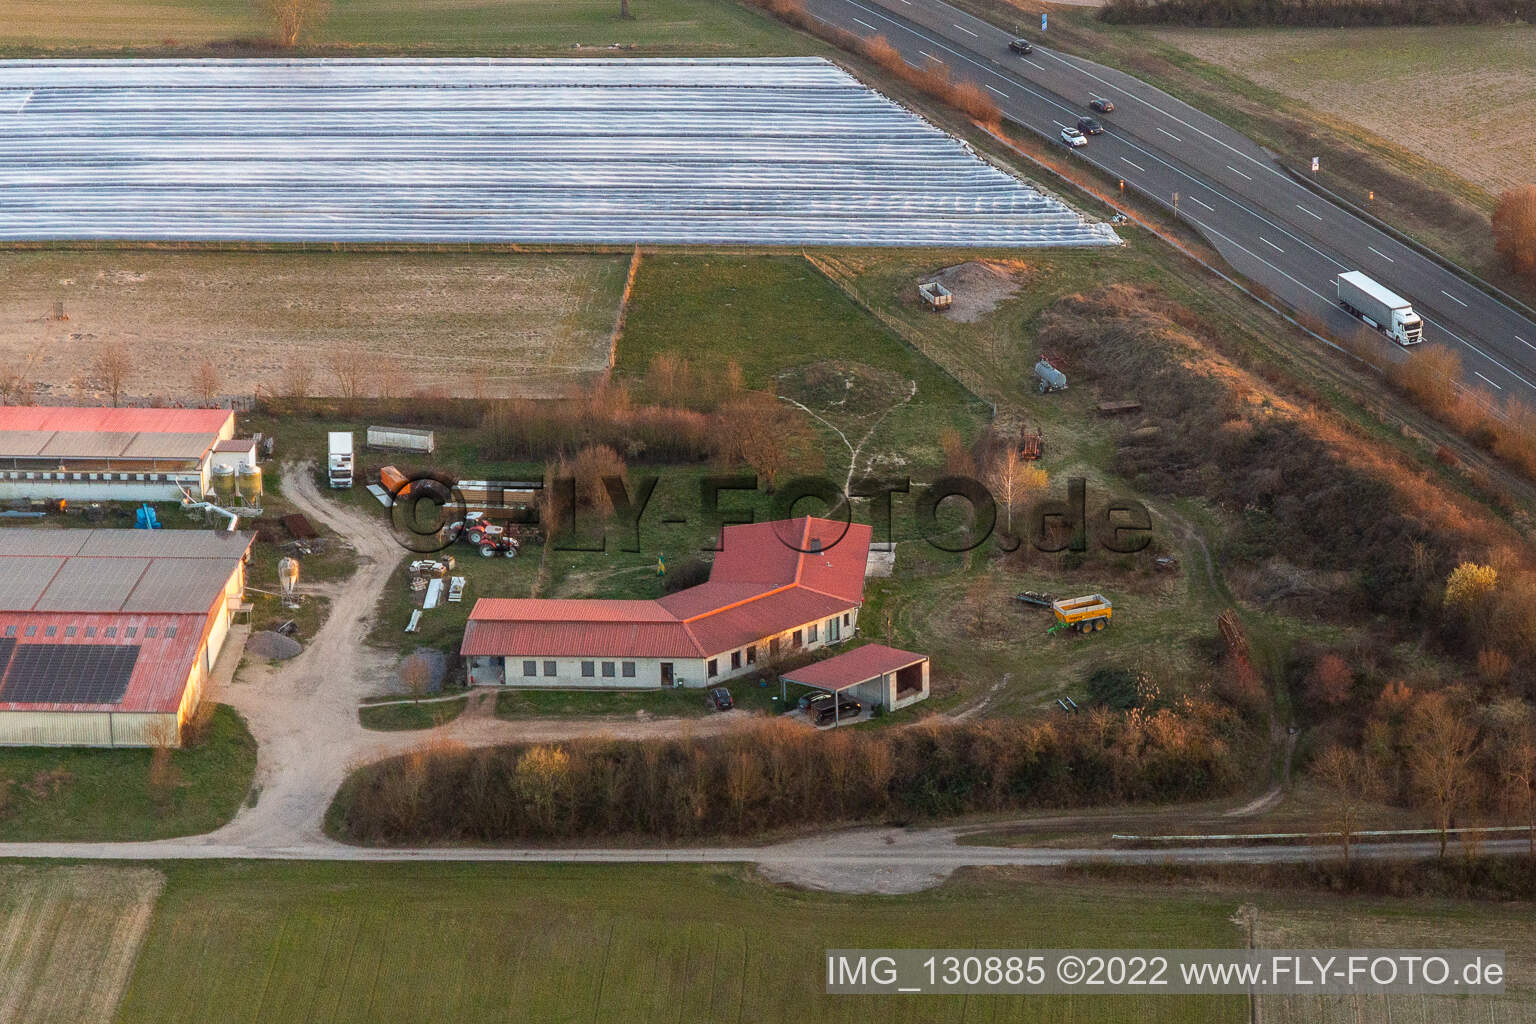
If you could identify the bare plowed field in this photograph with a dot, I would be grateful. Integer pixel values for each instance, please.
(69, 937)
(467, 326)
(1459, 96)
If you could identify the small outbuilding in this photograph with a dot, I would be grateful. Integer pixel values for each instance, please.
(875, 675)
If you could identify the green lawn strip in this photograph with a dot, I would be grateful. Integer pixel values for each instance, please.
(81, 794)
(410, 715)
(473, 943)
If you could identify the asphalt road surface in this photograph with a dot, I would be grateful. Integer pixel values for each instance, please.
(1269, 227)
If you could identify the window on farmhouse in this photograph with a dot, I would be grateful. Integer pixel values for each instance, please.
(589, 669)
(170, 632)
(797, 638)
(714, 667)
(607, 670)
(735, 659)
(773, 647)
(845, 618)
(51, 631)
(752, 655)
(69, 630)
(811, 634)
(530, 668)
(629, 670)
(549, 668)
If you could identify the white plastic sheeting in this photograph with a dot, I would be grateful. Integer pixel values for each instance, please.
(777, 152)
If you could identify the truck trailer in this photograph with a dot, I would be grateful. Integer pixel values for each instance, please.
(338, 462)
(1379, 306)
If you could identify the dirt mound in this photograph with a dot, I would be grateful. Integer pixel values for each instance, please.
(979, 286)
(273, 646)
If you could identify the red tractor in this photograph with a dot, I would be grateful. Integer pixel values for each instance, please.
(490, 538)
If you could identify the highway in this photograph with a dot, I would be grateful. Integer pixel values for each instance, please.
(1271, 229)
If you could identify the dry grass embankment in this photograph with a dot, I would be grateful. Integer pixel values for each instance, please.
(933, 77)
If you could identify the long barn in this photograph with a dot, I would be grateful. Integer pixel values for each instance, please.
(107, 637)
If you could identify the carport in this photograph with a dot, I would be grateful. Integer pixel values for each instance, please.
(875, 675)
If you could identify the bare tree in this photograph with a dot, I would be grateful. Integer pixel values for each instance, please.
(111, 366)
(1517, 767)
(353, 371)
(298, 379)
(1442, 748)
(292, 18)
(205, 382)
(1014, 481)
(415, 676)
(1352, 784)
(1514, 230)
(16, 381)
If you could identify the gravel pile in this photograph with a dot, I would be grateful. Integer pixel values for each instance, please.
(273, 646)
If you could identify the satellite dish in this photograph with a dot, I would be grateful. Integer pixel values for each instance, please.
(288, 574)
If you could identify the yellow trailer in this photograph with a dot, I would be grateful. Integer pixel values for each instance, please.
(1082, 614)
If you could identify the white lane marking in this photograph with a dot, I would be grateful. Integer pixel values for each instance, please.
(1032, 64)
(872, 12)
(1237, 172)
(1058, 122)
(1524, 342)
(1499, 386)
(1208, 206)
(1306, 211)
(1001, 93)
(1272, 245)
(1383, 255)
(1452, 298)
(866, 24)
(967, 31)
(1140, 168)
(930, 56)
(1170, 134)
(1473, 348)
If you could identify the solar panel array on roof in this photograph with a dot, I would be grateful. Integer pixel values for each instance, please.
(68, 674)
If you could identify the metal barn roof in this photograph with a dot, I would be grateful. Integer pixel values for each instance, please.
(780, 151)
(67, 432)
(101, 571)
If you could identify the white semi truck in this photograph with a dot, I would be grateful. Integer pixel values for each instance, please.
(339, 460)
(1379, 306)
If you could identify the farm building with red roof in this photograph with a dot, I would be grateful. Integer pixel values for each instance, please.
(94, 454)
(774, 587)
(107, 637)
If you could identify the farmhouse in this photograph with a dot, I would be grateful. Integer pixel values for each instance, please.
(93, 454)
(796, 584)
(108, 636)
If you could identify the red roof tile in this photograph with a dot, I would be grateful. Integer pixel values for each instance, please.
(767, 578)
(855, 666)
(99, 420)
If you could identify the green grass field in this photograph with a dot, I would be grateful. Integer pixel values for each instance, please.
(409, 716)
(105, 795)
(426, 26)
(254, 942)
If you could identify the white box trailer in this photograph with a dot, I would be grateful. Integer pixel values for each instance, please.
(338, 462)
(402, 439)
(1380, 307)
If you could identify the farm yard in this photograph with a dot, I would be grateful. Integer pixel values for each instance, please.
(457, 324)
(1471, 86)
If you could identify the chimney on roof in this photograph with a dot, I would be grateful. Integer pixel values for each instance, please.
(815, 545)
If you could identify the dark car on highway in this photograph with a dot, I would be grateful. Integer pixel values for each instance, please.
(1088, 126)
(1021, 46)
(1101, 105)
(846, 708)
(720, 697)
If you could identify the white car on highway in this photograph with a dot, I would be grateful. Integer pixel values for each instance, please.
(1073, 137)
